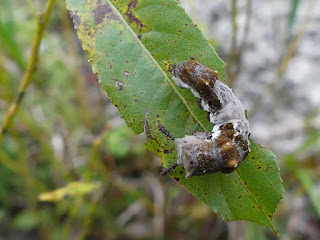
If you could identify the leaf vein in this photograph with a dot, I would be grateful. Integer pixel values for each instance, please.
(155, 62)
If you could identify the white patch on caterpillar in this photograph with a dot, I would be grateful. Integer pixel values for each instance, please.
(179, 83)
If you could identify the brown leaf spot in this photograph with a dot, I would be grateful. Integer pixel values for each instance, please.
(113, 17)
(119, 84)
(131, 16)
(100, 12)
(132, 4)
(133, 19)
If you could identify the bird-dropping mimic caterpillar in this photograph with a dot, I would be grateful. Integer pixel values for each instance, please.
(228, 144)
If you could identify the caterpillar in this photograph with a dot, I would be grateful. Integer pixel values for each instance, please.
(227, 145)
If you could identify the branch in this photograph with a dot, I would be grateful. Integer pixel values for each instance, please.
(42, 23)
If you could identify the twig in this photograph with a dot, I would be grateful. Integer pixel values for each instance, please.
(87, 176)
(233, 50)
(95, 152)
(234, 62)
(42, 23)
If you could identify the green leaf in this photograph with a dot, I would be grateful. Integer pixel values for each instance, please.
(130, 45)
(252, 192)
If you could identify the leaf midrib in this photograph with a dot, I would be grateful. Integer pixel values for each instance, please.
(156, 63)
(260, 206)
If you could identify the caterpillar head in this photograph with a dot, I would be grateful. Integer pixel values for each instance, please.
(204, 153)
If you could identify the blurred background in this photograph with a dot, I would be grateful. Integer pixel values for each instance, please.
(71, 169)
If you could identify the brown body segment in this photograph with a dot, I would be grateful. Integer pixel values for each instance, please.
(201, 78)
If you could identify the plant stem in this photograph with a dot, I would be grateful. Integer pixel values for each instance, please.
(233, 50)
(234, 62)
(42, 23)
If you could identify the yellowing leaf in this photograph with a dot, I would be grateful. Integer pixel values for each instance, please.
(73, 189)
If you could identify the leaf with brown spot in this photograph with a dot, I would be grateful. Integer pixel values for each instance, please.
(135, 42)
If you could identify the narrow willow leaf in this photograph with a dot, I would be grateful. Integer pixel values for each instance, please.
(130, 45)
(74, 189)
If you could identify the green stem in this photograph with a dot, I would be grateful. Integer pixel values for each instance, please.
(42, 23)
(306, 181)
(233, 51)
